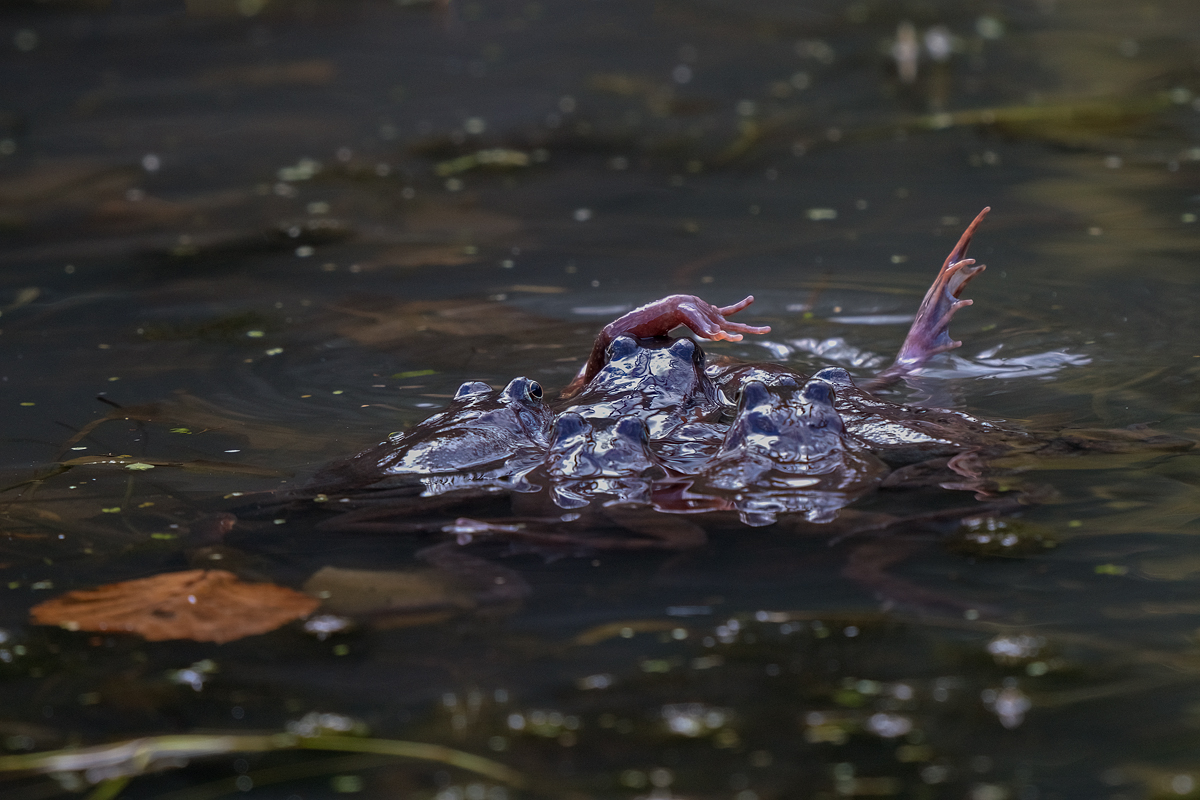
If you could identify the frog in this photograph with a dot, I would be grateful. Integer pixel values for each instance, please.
(649, 420)
(787, 450)
(484, 436)
(656, 402)
(600, 458)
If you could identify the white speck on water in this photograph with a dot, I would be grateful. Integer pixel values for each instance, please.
(151, 162)
(939, 43)
(889, 726)
(582, 214)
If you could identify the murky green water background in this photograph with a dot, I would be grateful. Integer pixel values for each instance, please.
(273, 231)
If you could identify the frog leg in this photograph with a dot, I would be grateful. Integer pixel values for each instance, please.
(929, 334)
(660, 318)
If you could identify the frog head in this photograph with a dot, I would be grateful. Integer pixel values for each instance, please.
(599, 457)
(661, 384)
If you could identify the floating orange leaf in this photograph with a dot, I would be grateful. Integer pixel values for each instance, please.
(202, 605)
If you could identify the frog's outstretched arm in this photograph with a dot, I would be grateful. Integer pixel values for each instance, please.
(929, 334)
(660, 318)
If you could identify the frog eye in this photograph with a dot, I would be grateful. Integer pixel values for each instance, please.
(835, 375)
(687, 350)
(522, 390)
(632, 428)
(567, 426)
(621, 347)
(754, 394)
(816, 391)
(471, 388)
(684, 348)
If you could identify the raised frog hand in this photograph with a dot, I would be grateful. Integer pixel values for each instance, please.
(660, 318)
(929, 334)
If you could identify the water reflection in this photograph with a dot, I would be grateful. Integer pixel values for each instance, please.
(274, 231)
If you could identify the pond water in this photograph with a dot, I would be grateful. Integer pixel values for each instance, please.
(270, 232)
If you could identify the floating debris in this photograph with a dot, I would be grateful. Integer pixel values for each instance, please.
(316, 723)
(202, 605)
(494, 158)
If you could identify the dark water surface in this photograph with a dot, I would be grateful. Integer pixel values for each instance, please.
(273, 231)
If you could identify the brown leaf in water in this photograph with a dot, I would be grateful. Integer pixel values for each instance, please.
(63, 183)
(311, 72)
(202, 605)
(361, 591)
(125, 213)
(459, 224)
(1136, 438)
(422, 256)
(378, 325)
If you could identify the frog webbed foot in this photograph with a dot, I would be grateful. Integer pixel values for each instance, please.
(711, 322)
(929, 334)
